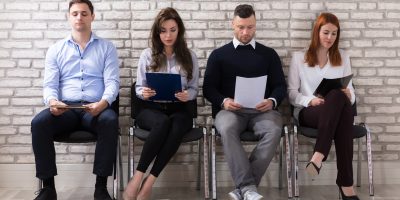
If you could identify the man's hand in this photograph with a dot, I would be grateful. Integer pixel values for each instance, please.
(229, 104)
(57, 111)
(96, 108)
(316, 101)
(182, 96)
(147, 93)
(265, 105)
(347, 92)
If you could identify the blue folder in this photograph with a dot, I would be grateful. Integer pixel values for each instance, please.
(165, 85)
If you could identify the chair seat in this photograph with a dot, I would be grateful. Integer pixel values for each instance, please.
(77, 137)
(359, 131)
(249, 136)
(193, 135)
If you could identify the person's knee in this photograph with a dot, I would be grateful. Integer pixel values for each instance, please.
(40, 120)
(225, 123)
(337, 94)
(108, 118)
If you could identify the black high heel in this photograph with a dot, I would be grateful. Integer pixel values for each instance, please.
(344, 197)
(312, 168)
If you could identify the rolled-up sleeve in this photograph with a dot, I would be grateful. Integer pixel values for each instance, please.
(144, 61)
(193, 84)
(51, 76)
(111, 75)
(296, 98)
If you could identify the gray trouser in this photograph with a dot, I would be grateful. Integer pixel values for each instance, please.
(267, 126)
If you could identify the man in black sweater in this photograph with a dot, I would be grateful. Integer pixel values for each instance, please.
(244, 57)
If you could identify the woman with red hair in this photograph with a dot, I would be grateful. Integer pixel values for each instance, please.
(332, 114)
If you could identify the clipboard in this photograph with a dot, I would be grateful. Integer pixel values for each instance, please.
(165, 85)
(327, 85)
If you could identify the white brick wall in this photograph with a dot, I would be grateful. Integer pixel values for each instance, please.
(370, 34)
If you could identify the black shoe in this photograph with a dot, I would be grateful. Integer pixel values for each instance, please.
(312, 168)
(344, 197)
(46, 193)
(101, 194)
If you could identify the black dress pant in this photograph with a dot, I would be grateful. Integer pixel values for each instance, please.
(45, 127)
(167, 123)
(334, 121)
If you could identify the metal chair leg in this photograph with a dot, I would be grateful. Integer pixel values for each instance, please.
(198, 165)
(359, 163)
(280, 185)
(213, 167)
(121, 170)
(130, 153)
(116, 172)
(369, 158)
(206, 164)
(289, 170)
(295, 161)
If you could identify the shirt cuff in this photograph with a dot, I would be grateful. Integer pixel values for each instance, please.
(222, 104)
(47, 100)
(274, 101)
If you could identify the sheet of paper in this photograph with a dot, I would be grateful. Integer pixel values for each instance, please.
(250, 91)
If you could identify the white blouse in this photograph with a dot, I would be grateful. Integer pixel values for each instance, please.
(303, 79)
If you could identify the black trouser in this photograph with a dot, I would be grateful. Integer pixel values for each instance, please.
(334, 121)
(168, 123)
(45, 127)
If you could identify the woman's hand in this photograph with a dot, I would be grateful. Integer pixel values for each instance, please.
(347, 93)
(182, 96)
(147, 93)
(316, 102)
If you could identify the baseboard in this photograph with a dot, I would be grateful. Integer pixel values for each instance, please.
(184, 175)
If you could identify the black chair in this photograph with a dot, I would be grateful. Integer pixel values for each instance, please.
(248, 136)
(195, 134)
(81, 136)
(360, 130)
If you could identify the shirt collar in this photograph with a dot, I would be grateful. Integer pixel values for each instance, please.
(236, 43)
(92, 38)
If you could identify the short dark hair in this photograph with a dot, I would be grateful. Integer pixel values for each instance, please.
(88, 2)
(244, 11)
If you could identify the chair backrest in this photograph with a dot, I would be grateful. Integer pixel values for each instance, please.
(137, 104)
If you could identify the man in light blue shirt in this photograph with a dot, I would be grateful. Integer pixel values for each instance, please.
(80, 69)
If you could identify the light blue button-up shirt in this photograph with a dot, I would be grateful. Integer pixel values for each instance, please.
(73, 74)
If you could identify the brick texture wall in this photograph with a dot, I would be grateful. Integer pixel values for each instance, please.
(370, 33)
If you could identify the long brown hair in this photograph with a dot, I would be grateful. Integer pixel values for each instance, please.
(182, 53)
(334, 55)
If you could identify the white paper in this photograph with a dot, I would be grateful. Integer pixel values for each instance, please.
(250, 91)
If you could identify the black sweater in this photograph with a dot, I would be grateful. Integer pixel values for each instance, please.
(226, 62)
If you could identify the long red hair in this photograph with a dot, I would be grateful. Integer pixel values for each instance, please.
(334, 55)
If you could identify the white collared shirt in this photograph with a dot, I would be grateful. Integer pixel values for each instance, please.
(236, 43)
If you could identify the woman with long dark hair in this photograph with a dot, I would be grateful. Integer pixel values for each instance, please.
(167, 121)
(332, 114)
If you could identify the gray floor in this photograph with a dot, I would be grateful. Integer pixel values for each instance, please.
(382, 192)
